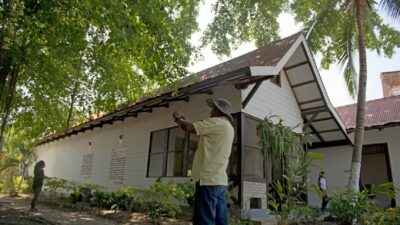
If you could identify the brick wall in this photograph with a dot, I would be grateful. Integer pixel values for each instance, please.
(254, 190)
(390, 83)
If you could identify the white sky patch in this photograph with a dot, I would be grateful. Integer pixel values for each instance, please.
(332, 78)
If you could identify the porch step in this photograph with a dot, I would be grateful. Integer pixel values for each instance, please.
(259, 216)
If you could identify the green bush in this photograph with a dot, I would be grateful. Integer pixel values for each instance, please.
(188, 190)
(56, 187)
(390, 216)
(101, 199)
(348, 207)
(163, 198)
(83, 192)
(125, 199)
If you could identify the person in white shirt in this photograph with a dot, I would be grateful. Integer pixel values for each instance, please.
(322, 187)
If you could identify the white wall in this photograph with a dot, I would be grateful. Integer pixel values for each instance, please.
(64, 157)
(336, 163)
(271, 99)
(337, 160)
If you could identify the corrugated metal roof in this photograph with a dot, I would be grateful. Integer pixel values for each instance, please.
(378, 112)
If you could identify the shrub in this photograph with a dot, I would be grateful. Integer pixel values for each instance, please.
(188, 190)
(348, 207)
(390, 216)
(125, 199)
(163, 198)
(55, 187)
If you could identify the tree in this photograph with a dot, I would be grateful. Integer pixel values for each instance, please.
(86, 56)
(337, 29)
(392, 7)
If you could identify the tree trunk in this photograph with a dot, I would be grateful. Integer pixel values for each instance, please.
(359, 132)
(22, 177)
(7, 107)
(71, 106)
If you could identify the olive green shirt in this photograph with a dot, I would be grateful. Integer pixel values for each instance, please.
(212, 155)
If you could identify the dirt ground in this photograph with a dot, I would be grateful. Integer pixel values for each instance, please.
(16, 211)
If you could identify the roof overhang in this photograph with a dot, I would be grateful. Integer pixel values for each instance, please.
(319, 116)
(239, 78)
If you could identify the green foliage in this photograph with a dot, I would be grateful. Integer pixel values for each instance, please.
(17, 157)
(87, 57)
(55, 188)
(279, 140)
(236, 22)
(126, 198)
(188, 190)
(163, 198)
(286, 199)
(349, 206)
(285, 146)
(390, 216)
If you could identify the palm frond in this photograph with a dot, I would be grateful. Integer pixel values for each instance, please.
(370, 30)
(346, 59)
(392, 7)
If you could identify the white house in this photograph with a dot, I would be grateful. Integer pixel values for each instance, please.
(381, 148)
(139, 143)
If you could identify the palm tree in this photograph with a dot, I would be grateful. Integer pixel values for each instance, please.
(392, 7)
(357, 31)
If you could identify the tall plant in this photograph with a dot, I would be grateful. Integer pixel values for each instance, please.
(283, 143)
(279, 141)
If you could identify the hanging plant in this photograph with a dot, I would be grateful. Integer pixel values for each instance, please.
(278, 140)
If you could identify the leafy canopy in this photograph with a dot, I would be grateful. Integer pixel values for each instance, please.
(104, 53)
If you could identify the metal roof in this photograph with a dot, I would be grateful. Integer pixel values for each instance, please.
(379, 113)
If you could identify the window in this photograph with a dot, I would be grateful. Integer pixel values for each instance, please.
(172, 152)
(253, 161)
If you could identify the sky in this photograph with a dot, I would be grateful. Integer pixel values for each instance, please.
(332, 78)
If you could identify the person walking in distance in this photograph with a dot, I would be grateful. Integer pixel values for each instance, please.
(210, 161)
(322, 187)
(38, 178)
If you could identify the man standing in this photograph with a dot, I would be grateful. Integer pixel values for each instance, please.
(37, 184)
(210, 161)
(322, 187)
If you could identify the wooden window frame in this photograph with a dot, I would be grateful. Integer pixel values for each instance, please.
(166, 151)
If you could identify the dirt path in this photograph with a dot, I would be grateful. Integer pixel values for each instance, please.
(16, 211)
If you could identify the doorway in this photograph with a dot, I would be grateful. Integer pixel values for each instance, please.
(375, 169)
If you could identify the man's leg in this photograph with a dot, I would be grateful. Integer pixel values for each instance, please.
(324, 202)
(221, 210)
(36, 193)
(204, 205)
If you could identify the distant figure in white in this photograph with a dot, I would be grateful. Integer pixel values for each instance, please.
(322, 187)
